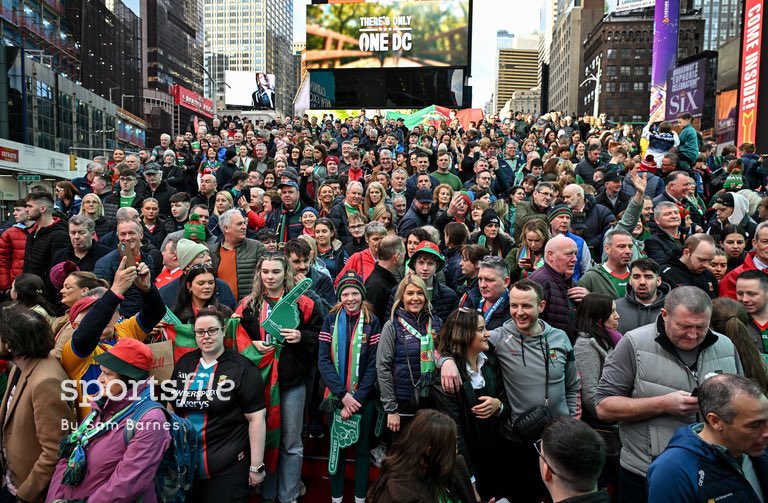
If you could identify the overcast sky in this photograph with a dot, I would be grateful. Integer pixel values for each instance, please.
(520, 17)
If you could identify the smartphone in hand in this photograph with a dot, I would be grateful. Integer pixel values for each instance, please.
(125, 251)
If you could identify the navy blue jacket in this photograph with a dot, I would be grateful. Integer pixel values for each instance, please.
(444, 300)
(691, 470)
(367, 367)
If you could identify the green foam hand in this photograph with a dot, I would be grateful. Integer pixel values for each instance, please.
(481, 240)
(285, 314)
(344, 433)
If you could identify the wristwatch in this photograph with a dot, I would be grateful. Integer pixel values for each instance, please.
(258, 469)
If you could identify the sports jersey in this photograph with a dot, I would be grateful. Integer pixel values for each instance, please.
(219, 418)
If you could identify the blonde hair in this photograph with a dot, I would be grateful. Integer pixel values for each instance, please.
(368, 204)
(99, 213)
(410, 279)
(436, 193)
(228, 195)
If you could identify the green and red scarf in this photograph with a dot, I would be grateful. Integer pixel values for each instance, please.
(350, 368)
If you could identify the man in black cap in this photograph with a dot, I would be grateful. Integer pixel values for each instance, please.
(612, 196)
(158, 188)
(418, 214)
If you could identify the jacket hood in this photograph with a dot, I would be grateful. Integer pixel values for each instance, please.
(688, 438)
(663, 290)
(740, 209)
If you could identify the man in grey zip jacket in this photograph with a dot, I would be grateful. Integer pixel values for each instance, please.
(644, 298)
(649, 380)
(525, 346)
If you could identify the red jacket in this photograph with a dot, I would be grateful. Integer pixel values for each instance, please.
(13, 242)
(727, 287)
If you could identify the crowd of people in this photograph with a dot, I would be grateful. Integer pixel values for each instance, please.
(538, 309)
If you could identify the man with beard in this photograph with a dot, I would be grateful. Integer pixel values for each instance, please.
(690, 266)
(611, 276)
(645, 296)
(418, 214)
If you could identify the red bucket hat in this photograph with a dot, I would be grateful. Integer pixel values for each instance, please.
(129, 357)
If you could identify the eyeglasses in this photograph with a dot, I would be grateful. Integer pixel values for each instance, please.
(356, 227)
(211, 332)
(537, 446)
(201, 266)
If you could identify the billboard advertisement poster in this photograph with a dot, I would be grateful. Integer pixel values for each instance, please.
(750, 70)
(391, 35)
(250, 90)
(322, 90)
(685, 89)
(191, 100)
(625, 5)
(666, 21)
(727, 113)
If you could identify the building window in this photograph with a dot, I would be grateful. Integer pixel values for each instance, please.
(639, 71)
(625, 70)
(626, 53)
(610, 87)
(610, 71)
(638, 86)
(640, 53)
(623, 87)
(610, 53)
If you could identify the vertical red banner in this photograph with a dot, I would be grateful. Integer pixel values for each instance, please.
(749, 78)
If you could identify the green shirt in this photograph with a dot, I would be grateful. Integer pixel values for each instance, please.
(619, 282)
(448, 178)
(351, 210)
(126, 201)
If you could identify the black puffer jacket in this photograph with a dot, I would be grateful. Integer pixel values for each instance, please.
(660, 246)
(42, 244)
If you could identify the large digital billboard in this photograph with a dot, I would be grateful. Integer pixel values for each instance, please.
(686, 88)
(392, 35)
(249, 90)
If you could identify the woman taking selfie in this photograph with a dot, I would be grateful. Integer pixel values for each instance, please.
(111, 468)
(230, 424)
(347, 364)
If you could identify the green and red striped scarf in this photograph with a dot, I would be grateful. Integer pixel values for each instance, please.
(351, 368)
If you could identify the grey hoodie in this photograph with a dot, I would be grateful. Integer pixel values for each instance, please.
(522, 360)
(633, 314)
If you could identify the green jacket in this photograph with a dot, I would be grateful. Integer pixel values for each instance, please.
(598, 279)
(689, 144)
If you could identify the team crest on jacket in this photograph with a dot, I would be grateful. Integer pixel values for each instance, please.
(552, 354)
(425, 356)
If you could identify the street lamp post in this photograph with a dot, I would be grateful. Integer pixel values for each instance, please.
(596, 78)
(122, 99)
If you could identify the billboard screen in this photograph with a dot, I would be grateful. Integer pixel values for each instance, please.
(249, 90)
(625, 5)
(685, 89)
(393, 35)
(191, 100)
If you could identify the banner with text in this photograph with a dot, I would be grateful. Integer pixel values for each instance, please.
(665, 28)
(191, 100)
(749, 80)
(685, 89)
(393, 35)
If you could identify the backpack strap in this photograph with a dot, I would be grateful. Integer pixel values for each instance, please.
(136, 416)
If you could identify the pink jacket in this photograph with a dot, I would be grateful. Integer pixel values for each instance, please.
(118, 472)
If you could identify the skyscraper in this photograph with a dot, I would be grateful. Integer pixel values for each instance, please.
(254, 36)
(173, 43)
(516, 67)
